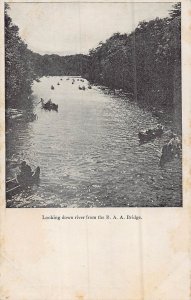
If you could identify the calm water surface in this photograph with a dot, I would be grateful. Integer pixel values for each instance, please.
(89, 152)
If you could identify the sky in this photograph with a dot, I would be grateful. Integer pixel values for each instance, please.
(71, 28)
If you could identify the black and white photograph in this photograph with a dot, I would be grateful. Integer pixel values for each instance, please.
(93, 104)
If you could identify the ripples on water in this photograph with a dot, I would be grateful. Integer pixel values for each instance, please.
(89, 152)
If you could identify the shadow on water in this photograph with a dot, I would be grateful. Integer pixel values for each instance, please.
(89, 152)
(18, 132)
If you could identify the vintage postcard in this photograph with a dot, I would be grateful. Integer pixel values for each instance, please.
(95, 156)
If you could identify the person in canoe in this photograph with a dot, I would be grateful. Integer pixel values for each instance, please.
(25, 175)
(171, 150)
(24, 179)
(149, 134)
(49, 102)
(49, 105)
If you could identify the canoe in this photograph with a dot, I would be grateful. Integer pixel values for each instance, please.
(148, 135)
(13, 186)
(170, 150)
(51, 106)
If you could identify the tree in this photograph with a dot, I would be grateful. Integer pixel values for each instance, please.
(19, 70)
(176, 11)
(144, 62)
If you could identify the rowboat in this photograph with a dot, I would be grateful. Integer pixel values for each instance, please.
(171, 150)
(14, 186)
(150, 134)
(49, 105)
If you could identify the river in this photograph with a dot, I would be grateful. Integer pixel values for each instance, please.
(88, 152)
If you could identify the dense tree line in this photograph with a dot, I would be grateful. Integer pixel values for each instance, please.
(19, 72)
(22, 66)
(55, 65)
(146, 62)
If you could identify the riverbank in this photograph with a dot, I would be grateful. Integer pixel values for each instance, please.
(163, 114)
(89, 152)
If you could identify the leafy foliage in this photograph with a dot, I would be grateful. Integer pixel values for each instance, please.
(147, 63)
(143, 62)
(176, 11)
(18, 62)
(23, 66)
(55, 65)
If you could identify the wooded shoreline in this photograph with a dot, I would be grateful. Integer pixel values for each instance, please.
(145, 63)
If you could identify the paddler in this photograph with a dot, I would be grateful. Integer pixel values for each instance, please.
(25, 175)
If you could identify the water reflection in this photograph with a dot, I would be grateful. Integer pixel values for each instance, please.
(89, 152)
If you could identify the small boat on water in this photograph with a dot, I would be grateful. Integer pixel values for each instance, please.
(49, 105)
(15, 186)
(171, 150)
(82, 88)
(150, 134)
